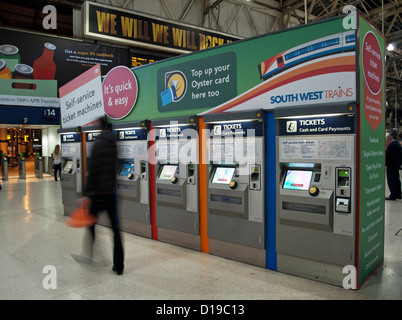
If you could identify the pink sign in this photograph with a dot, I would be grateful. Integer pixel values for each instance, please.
(373, 71)
(120, 91)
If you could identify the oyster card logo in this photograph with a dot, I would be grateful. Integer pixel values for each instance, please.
(175, 87)
(120, 91)
(373, 71)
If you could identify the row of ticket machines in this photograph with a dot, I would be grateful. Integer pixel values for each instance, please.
(278, 190)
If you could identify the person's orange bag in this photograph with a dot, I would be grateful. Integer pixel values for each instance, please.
(81, 218)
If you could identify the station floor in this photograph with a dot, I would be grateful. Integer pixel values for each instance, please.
(33, 235)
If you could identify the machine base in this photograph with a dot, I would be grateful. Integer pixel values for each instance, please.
(315, 270)
(137, 228)
(182, 239)
(238, 252)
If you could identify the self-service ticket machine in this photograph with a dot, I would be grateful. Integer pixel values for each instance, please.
(316, 195)
(89, 135)
(236, 186)
(71, 179)
(132, 178)
(177, 183)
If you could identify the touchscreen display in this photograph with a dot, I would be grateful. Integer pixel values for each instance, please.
(223, 175)
(68, 165)
(126, 169)
(167, 172)
(297, 179)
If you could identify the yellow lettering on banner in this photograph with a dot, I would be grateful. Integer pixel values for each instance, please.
(202, 41)
(177, 37)
(103, 21)
(127, 27)
(113, 24)
(157, 31)
(160, 33)
(209, 41)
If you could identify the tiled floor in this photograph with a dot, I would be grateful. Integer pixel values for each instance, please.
(33, 235)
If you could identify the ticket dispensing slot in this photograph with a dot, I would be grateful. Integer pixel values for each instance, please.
(190, 173)
(343, 193)
(255, 177)
(169, 188)
(143, 170)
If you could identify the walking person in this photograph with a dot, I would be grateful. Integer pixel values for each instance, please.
(393, 160)
(100, 189)
(57, 161)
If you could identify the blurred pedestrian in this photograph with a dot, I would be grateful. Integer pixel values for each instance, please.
(393, 160)
(100, 188)
(57, 161)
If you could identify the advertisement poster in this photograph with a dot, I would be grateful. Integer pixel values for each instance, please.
(81, 100)
(50, 57)
(372, 153)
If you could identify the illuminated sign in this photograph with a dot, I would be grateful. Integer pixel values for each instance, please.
(141, 30)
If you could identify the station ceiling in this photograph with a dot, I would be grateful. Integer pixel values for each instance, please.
(385, 15)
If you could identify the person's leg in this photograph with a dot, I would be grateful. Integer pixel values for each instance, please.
(59, 170)
(55, 172)
(118, 253)
(392, 184)
(94, 208)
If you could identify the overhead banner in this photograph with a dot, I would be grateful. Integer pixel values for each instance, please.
(81, 100)
(138, 29)
(307, 65)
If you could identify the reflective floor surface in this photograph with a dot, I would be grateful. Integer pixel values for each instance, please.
(33, 236)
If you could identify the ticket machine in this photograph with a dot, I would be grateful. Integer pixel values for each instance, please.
(177, 183)
(236, 186)
(71, 178)
(316, 195)
(89, 135)
(132, 178)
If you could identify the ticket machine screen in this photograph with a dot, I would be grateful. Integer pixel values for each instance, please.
(68, 166)
(297, 179)
(126, 168)
(223, 175)
(168, 172)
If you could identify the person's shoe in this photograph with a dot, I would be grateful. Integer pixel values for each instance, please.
(118, 272)
(389, 198)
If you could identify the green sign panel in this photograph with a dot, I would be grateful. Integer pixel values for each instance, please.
(197, 84)
(372, 150)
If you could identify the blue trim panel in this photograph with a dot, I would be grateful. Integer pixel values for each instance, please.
(270, 190)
